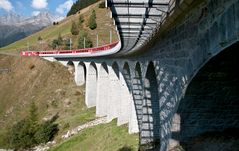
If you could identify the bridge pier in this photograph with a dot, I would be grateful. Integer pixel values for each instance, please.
(91, 84)
(103, 89)
(114, 89)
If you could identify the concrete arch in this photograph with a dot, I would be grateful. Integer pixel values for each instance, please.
(91, 85)
(103, 86)
(211, 100)
(71, 67)
(150, 130)
(80, 73)
(115, 92)
(137, 93)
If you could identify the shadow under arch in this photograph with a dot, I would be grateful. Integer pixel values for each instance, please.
(209, 111)
(102, 90)
(71, 67)
(115, 68)
(91, 85)
(150, 130)
(80, 74)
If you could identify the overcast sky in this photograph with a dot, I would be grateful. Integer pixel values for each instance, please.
(33, 7)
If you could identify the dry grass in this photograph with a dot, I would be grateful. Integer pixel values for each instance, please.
(50, 85)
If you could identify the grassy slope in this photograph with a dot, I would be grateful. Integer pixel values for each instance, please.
(107, 137)
(50, 85)
(104, 24)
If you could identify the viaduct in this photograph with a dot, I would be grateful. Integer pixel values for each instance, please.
(163, 46)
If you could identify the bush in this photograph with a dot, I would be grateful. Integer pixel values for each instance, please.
(46, 132)
(92, 21)
(88, 42)
(54, 44)
(21, 137)
(57, 42)
(68, 43)
(102, 5)
(28, 132)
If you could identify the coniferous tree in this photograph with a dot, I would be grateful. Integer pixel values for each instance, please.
(92, 21)
(74, 29)
(80, 4)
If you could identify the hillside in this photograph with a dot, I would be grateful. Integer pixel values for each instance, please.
(51, 87)
(104, 25)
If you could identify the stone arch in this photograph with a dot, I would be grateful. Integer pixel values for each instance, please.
(80, 74)
(91, 85)
(150, 111)
(115, 92)
(209, 109)
(103, 85)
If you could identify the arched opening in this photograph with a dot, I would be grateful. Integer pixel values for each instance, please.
(209, 112)
(102, 90)
(114, 96)
(150, 113)
(71, 67)
(91, 85)
(80, 76)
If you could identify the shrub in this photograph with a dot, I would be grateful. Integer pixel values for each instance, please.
(28, 132)
(68, 43)
(46, 132)
(54, 44)
(88, 42)
(57, 42)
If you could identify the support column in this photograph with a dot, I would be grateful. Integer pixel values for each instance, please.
(125, 102)
(103, 86)
(91, 85)
(115, 96)
(133, 122)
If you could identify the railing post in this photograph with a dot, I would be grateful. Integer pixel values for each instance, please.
(97, 40)
(110, 36)
(84, 42)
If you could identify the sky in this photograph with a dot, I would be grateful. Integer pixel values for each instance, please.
(34, 7)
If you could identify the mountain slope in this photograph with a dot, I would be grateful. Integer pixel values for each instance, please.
(104, 22)
(14, 27)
